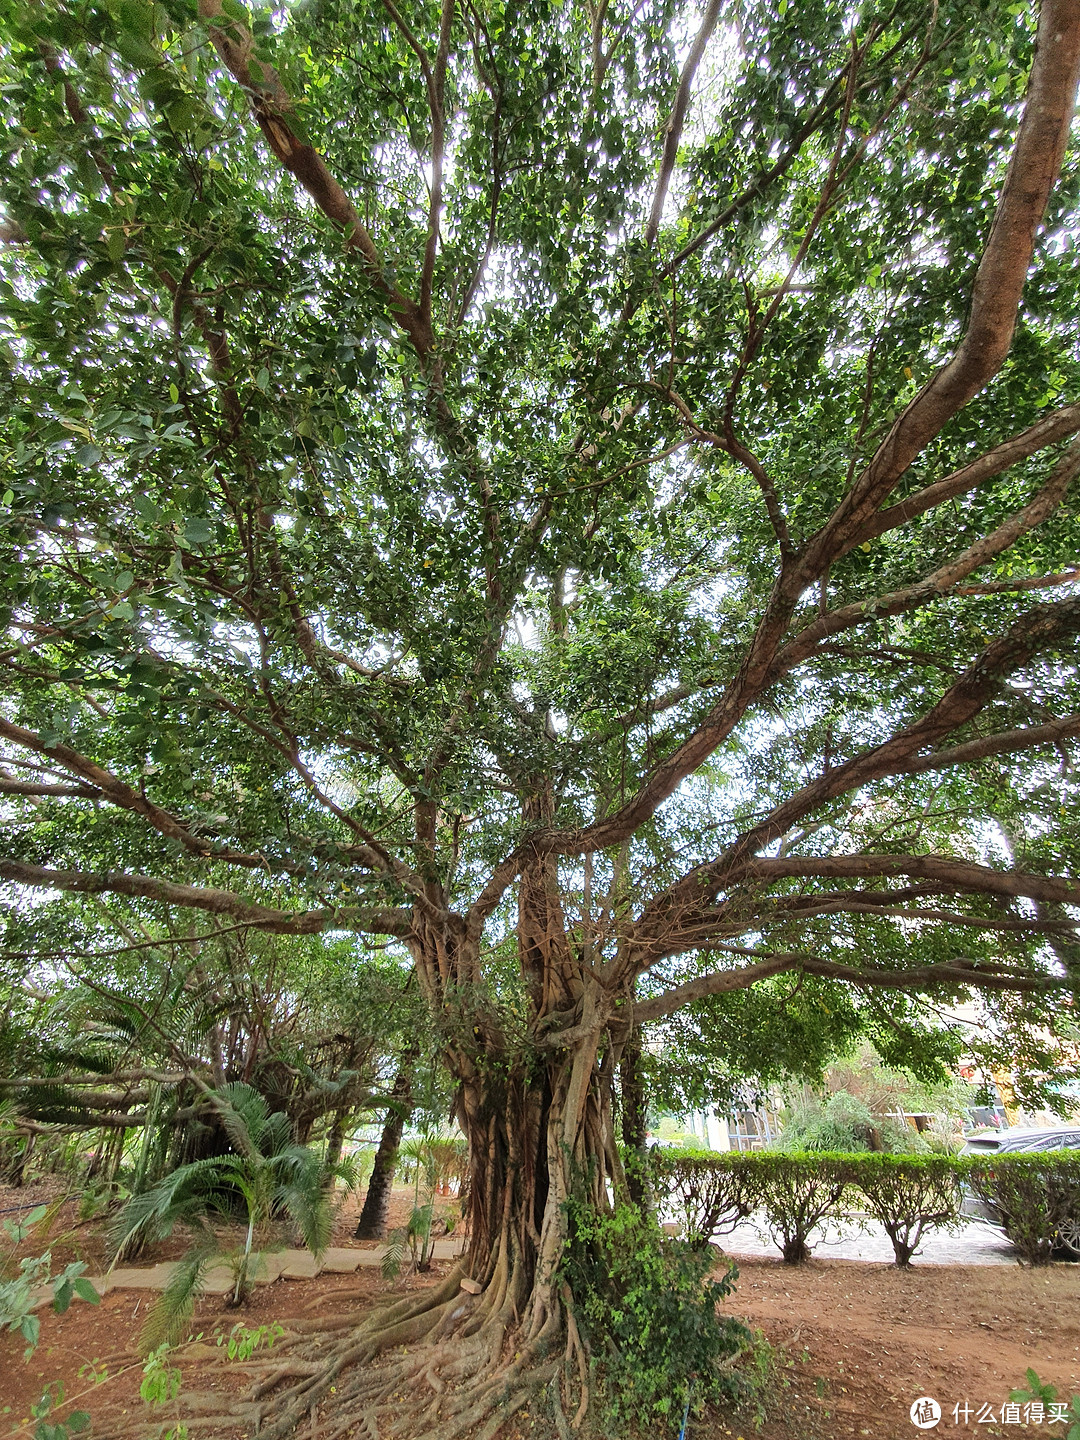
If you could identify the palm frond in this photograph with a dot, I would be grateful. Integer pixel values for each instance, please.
(310, 1210)
(172, 1311)
(277, 1134)
(394, 1255)
(176, 1198)
(244, 1114)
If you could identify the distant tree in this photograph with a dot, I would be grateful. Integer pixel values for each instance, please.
(371, 1224)
(584, 491)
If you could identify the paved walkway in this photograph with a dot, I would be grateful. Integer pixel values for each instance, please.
(974, 1243)
(273, 1265)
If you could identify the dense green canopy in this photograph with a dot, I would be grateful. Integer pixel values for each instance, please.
(586, 490)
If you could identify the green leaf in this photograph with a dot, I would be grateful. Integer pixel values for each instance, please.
(198, 531)
(146, 507)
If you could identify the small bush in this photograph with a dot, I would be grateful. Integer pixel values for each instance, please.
(845, 1125)
(648, 1309)
(1047, 1396)
(713, 1192)
(908, 1194)
(1038, 1195)
(797, 1193)
(18, 1291)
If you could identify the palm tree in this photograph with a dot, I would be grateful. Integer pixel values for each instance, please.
(267, 1174)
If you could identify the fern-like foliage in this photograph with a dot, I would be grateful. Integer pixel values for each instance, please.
(267, 1175)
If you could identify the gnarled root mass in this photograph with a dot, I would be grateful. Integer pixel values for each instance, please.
(450, 1363)
(444, 1364)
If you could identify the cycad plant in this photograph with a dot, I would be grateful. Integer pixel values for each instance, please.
(417, 1154)
(450, 1154)
(267, 1174)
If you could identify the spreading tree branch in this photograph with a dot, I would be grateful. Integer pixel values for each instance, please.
(999, 281)
(271, 105)
(674, 127)
(955, 974)
(388, 921)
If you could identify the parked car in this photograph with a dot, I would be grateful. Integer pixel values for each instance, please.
(1014, 1142)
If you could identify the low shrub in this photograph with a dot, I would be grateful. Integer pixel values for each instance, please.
(1038, 1196)
(798, 1192)
(845, 1125)
(908, 1194)
(19, 1289)
(712, 1192)
(1046, 1397)
(648, 1309)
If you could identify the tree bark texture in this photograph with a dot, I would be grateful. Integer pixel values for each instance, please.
(334, 1141)
(372, 1222)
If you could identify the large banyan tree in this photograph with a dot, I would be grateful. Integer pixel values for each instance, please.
(584, 492)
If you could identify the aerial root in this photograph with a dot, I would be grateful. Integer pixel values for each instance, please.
(287, 1370)
(575, 1349)
(487, 1413)
(403, 1324)
(562, 1428)
(324, 1323)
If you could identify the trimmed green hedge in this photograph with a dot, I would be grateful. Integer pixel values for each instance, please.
(909, 1195)
(712, 1197)
(1037, 1194)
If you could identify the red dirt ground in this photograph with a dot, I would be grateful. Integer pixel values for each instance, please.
(854, 1343)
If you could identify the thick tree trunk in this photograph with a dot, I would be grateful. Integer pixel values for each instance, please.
(539, 1134)
(372, 1222)
(538, 1115)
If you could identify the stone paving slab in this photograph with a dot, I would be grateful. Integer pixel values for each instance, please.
(300, 1265)
(271, 1266)
(338, 1260)
(141, 1277)
(447, 1249)
(219, 1280)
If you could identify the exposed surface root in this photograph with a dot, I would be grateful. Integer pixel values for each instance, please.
(443, 1364)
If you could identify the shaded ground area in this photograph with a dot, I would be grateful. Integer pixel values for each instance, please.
(854, 1343)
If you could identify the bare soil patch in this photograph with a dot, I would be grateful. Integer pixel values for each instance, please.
(860, 1342)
